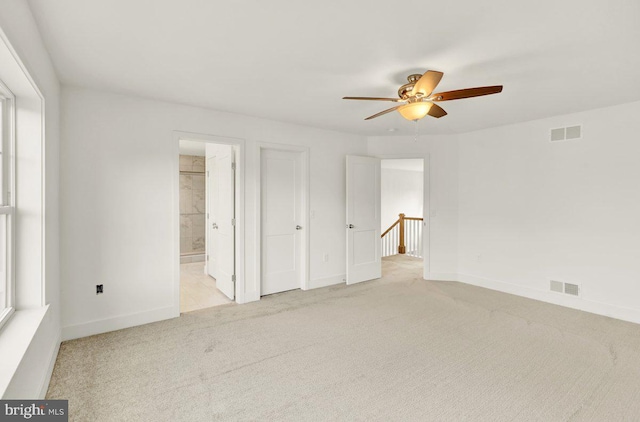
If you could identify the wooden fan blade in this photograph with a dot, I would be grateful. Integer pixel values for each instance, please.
(436, 111)
(427, 83)
(389, 110)
(373, 99)
(466, 93)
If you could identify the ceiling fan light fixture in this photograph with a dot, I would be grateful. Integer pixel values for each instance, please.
(417, 98)
(416, 110)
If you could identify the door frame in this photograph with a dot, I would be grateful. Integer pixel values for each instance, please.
(426, 203)
(304, 244)
(239, 147)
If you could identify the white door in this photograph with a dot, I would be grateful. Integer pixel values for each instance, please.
(281, 199)
(363, 219)
(225, 221)
(212, 214)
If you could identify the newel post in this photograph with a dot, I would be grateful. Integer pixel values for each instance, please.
(401, 247)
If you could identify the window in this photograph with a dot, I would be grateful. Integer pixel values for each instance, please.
(6, 203)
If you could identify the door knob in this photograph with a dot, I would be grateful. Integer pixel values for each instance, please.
(215, 226)
(298, 227)
(350, 226)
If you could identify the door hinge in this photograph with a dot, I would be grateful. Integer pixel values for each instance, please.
(233, 278)
(233, 166)
(207, 173)
(207, 257)
(233, 222)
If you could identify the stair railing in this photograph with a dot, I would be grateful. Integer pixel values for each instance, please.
(404, 236)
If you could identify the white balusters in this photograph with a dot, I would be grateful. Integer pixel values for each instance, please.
(390, 242)
(412, 238)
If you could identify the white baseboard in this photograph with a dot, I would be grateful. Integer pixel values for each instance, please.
(443, 277)
(90, 328)
(327, 281)
(579, 303)
(52, 363)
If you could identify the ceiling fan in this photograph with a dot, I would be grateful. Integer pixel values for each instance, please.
(418, 99)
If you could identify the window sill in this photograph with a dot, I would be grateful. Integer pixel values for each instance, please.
(15, 337)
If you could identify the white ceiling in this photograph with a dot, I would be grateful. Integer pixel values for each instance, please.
(408, 164)
(293, 60)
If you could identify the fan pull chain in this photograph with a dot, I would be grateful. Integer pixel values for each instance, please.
(415, 132)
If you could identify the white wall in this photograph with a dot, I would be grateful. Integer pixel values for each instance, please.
(401, 192)
(511, 211)
(531, 210)
(34, 369)
(443, 198)
(118, 157)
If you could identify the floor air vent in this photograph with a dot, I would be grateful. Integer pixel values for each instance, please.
(566, 133)
(566, 288)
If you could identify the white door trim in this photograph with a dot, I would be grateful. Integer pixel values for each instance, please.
(239, 146)
(305, 210)
(426, 204)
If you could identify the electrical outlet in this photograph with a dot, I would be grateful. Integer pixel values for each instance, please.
(99, 289)
(325, 257)
(478, 258)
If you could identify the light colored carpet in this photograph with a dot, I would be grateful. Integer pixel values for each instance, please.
(394, 349)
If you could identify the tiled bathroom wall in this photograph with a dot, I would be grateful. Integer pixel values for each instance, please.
(192, 205)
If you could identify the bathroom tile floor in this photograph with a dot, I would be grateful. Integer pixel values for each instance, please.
(197, 289)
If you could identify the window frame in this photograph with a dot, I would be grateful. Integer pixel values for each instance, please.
(7, 201)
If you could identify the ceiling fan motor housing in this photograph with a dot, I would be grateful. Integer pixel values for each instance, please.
(405, 90)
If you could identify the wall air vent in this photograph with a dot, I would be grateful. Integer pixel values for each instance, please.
(557, 286)
(557, 134)
(573, 132)
(572, 289)
(566, 288)
(566, 133)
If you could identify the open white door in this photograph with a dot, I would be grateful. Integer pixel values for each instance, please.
(213, 189)
(363, 219)
(225, 221)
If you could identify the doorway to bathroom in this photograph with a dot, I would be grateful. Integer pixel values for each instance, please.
(207, 224)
